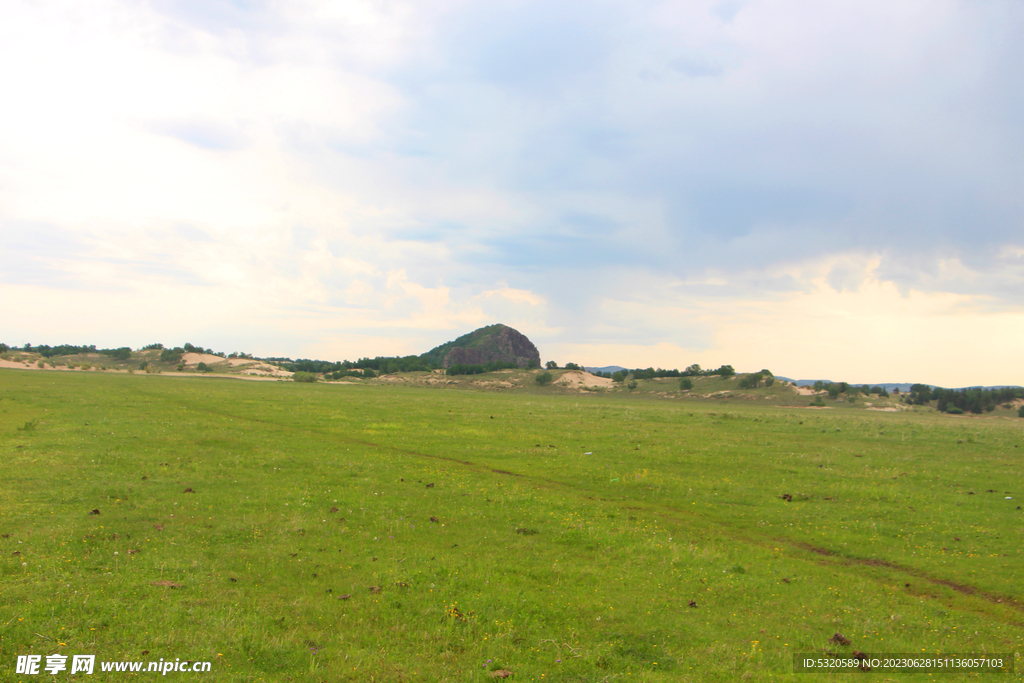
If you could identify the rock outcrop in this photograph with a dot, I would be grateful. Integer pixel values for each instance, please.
(489, 344)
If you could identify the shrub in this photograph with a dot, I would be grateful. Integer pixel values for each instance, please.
(203, 367)
(171, 355)
(685, 384)
(301, 376)
(40, 364)
(631, 385)
(953, 410)
(545, 378)
(551, 365)
(818, 403)
(1020, 412)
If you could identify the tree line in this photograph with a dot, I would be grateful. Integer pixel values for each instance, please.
(958, 401)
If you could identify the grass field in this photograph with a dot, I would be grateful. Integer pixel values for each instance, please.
(310, 532)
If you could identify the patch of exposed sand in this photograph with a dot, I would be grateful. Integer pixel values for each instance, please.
(804, 391)
(579, 379)
(18, 365)
(267, 371)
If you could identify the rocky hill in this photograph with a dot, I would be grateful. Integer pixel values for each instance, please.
(486, 345)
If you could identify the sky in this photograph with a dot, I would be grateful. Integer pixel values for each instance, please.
(830, 190)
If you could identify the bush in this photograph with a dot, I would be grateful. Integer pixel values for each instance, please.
(818, 403)
(685, 384)
(203, 367)
(545, 378)
(551, 365)
(953, 410)
(631, 385)
(1020, 412)
(301, 376)
(171, 355)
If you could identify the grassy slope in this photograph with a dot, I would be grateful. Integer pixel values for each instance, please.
(572, 528)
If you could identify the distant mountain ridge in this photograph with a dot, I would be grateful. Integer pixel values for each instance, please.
(493, 343)
(607, 368)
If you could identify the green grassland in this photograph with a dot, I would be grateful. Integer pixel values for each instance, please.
(381, 532)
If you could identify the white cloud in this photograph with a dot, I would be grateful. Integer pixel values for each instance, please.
(669, 179)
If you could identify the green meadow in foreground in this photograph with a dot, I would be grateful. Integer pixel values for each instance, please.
(306, 532)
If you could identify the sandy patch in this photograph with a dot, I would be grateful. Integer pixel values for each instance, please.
(267, 371)
(18, 365)
(579, 380)
(886, 410)
(804, 391)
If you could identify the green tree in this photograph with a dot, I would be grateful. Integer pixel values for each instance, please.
(685, 384)
(1020, 411)
(544, 378)
(301, 376)
(551, 365)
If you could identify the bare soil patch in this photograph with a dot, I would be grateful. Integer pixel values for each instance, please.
(579, 379)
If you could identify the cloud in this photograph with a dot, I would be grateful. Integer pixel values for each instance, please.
(619, 173)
